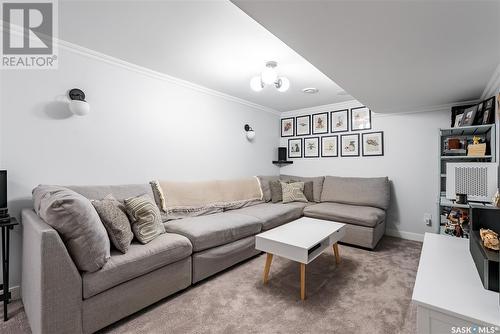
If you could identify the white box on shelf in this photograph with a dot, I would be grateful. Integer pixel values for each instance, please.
(478, 180)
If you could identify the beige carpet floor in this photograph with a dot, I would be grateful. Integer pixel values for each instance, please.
(369, 292)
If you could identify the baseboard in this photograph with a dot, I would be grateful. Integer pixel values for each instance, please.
(15, 292)
(405, 235)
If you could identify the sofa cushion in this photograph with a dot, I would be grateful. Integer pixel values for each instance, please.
(264, 185)
(214, 230)
(273, 215)
(78, 223)
(373, 191)
(345, 213)
(120, 192)
(139, 260)
(116, 222)
(317, 184)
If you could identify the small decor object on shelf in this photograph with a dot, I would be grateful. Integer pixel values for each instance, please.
(461, 198)
(303, 125)
(496, 199)
(490, 239)
(476, 149)
(373, 144)
(311, 147)
(287, 127)
(339, 121)
(457, 223)
(458, 119)
(320, 123)
(329, 146)
(295, 148)
(469, 116)
(361, 119)
(349, 145)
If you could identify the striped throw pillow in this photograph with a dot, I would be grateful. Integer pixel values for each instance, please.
(146, 218)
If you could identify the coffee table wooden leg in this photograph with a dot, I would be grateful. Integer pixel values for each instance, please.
(336, 252)
(269, 259)
(302, 281)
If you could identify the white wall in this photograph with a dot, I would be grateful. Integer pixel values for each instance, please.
(410, 161)
(141, 126)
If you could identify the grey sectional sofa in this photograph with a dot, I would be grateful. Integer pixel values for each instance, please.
(59, 299)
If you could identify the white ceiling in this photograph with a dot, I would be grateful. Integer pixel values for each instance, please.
(210, 43)
(393, 56)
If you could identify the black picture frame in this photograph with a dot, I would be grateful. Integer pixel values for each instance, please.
(369, 119)
(342, 145)
(292, 119)
(469, 116)
(297, 126)
(313, 127)
(458, 110)
(317, 147)
(290, 149)
(381, 142)
(488, 116)
(336, 143)
(346, 111)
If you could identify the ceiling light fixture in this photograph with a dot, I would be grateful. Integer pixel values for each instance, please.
(269, 76)
(310, 90)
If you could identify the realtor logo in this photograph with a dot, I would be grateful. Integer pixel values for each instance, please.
(28, 34)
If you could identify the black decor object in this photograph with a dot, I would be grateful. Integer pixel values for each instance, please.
(3, 189)
(281, 153)
(486, 260)
(6, 296)
(77, 94)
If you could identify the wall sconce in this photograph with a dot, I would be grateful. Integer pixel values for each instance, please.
(250, 132)
(78, 105)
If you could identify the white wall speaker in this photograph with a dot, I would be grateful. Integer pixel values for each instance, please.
(476, 179)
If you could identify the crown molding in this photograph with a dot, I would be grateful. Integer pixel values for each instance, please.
(158, 75)
(355, 103)
(493, 86)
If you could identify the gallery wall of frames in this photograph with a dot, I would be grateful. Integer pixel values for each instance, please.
(343, 133)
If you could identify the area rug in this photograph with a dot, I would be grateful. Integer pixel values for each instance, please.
(368, 292)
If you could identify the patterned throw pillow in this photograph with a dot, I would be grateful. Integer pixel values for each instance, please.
(146, 218)
(293, 192)
(116, 223)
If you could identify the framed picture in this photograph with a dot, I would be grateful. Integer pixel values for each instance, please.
(339, 121)
(373, 143)
(329, 146)
(303, 125)
(489, 102)
(361, 119)
(469, 116)
(320, 123)
(488, 117)
(311, 147)
(455, 112)
(295, 148)
(349, 145)
(458, 119)
(287, 127)
(479, 114)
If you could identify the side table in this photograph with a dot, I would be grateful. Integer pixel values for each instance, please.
(5, 296)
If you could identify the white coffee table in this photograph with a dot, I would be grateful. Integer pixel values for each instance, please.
(302, 240)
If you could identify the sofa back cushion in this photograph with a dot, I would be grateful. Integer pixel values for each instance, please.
(265, 185)
(78, 224)
(373, 192)
(317, 184)
(120, 192)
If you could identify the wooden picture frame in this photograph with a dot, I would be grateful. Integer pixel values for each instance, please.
(295, 148)
(339, 121)
(372, 143)
(320, 123)
(288, 127)
(330, 146)
(311, 147)
(303, 125)
(361, 119)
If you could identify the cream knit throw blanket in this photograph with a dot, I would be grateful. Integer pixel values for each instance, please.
(184, 199)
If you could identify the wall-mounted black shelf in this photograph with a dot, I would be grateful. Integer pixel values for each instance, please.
(281, 163)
